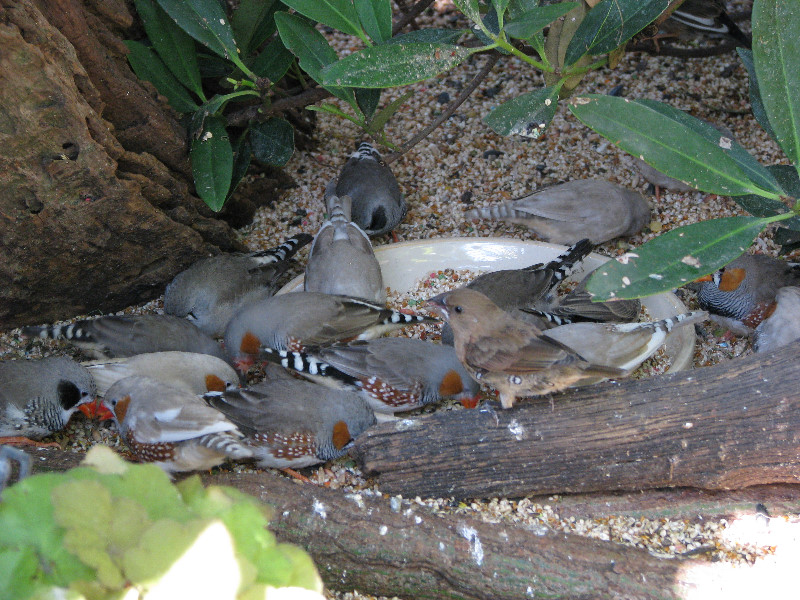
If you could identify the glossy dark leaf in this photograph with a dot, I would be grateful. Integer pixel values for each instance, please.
(339, 14)
(610, 24)
(428, 36)
(527, 115)
(756, 105)
(148, 66)
(788, 239)
(206, 22)
(272, 141)
(212, 163)
(528, 23)
(368, 99)
(469, 8)
(248, 19)
(383, 115)
(242, 154)
(376, 18)
(273, 61)
(758, 206)
(675, 258)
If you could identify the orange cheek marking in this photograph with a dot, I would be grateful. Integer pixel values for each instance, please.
(731, 279)
(451, 384)
(341, 435)
(214, 383)
(121, 409)
(250, 343)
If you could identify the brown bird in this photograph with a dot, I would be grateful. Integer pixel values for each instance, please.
(509, 354)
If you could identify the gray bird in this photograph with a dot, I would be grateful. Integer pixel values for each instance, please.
(189, 371)
(289, 423)
(38, 397)
(298, 319)
(377, 204)
(23, 460)
(341, 260)
(209, 292)
(742, 294)
(393, 374)
(565, 213)
(114, 336)
(782, 327)
(172, 428)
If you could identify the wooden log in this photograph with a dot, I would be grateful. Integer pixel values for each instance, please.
(723, 427)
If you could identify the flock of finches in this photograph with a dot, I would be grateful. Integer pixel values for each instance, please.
(175, 394)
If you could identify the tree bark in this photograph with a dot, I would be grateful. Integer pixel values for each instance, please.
(723, 427)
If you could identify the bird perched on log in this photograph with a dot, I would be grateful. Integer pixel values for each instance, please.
(172, 428)
(565, 213)
(392, 374)
(507, 353)
(290, 423)
(377, 204)
(782, 327)
(298, 319)
(114, 336)
(38, 397)
(341, 260)
(209, 292)
(742, 294)
(189, 371)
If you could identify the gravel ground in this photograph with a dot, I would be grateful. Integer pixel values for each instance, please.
(463, 165)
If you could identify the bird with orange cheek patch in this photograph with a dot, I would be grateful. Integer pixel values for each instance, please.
(509, 354)
(189, 371)
(393, 374)
(172, 428)
(290, 423)
(38, 397)
(299, 319)
(742, 294)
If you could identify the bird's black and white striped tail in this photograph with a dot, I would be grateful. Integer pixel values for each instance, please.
(306, 364)
(284, 251)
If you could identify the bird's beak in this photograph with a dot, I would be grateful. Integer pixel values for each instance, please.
(96, 410)
(437, 305)
(471, 401)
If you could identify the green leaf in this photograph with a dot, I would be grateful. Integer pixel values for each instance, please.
(206, 22)
(376, 18)
(517, 8)
(266, 28)
(776, 54)
(500, 6)
(339, 14)
(788, 239)
(382, 116)
(759, 206)
(248, 19)
(529, 23)
(212, 163)
(469, 8)
(676, 144)
(368, 99)
(148, 66)
(610, 24)
(393, 65)
(428, 36)
(272, 141)
(756, 105)
(527, 115)
(173, 45)
(491, 23)
(675, 258)
(242, 154)
(311, 49)
(273, 61)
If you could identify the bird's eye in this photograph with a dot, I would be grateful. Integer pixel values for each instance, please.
(458, 309)
(84, 394)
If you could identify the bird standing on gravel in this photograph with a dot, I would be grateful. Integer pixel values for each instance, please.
(377, 204)
(782, 327)
(509, 354)
(298, 319)
(393, 374)
(114, 336)
(565, 213)
(38, 397)
(172, 428)
(742, 294)
(290, 423)
(341, 260)
(209, 292)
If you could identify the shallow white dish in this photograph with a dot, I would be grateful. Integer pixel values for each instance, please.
(404, 263)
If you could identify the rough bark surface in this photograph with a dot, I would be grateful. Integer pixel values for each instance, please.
(725, 427)
(96, 212)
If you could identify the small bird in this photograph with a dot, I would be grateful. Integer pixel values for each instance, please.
(565, 213)
(298, 319)
(209, 292)
(38, 397)
(782, 326)
(507, 353)
(393, 374)
(377, 204)
(189, 371)
(742, 294)
(172, 428)
(290, 423)
(115, 336)
(23, 460)
(341, 260)
(707, 16)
